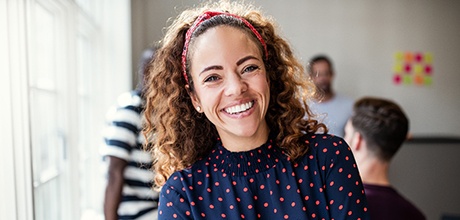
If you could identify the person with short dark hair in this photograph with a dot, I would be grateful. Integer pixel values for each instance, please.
(375, 133)
(332, 108)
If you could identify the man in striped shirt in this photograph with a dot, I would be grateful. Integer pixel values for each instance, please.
(129, 193)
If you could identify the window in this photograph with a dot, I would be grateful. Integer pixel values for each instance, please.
(58, 79)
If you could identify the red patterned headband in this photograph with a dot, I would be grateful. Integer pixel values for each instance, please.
(205, 16)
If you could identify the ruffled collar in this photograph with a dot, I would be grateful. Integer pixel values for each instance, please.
(245, 163)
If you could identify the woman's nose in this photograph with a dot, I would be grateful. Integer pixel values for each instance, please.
(235, 85)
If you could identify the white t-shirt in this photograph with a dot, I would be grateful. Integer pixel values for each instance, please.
(333, 113)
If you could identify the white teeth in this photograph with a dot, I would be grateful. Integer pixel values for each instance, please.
(239, 108)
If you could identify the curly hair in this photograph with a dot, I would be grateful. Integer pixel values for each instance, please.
(177, 135)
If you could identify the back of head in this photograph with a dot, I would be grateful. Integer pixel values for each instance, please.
(383, 125)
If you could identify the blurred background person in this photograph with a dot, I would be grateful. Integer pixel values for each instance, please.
(375, 133)
(332, 109)
(129, 193)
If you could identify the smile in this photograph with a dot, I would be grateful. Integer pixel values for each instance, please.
(239, 108)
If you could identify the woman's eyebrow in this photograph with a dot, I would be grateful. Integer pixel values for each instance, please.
(244, 59)
(214, 67)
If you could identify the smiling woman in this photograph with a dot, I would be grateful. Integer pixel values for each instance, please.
(226, 127)
(231, 88)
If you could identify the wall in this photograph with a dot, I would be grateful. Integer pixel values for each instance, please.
(428, 175)
(362, 37)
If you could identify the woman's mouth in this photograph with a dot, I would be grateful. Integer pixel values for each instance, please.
(239, 108)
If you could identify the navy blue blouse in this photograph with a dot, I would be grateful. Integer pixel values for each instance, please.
(263, 183)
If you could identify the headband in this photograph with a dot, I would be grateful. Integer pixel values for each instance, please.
(205, 16)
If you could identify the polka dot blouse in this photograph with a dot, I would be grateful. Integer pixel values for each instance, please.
(264, 184)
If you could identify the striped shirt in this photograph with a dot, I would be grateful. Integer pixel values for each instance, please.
(123, 139)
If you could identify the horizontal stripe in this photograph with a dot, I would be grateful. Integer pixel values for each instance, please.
(126, 125)
(141, 156)
(121, 134)
(135, 173)
(140, 192)
(133, 208)
(125, 115)
(137, 183)
(115, 152)
(136, 109)
(137, 199)
(141, 166)
(150, 214)
(119, 144)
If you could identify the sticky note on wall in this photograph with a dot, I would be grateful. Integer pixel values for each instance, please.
(413, 68)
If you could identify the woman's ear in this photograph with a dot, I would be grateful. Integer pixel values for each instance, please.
(195, 100)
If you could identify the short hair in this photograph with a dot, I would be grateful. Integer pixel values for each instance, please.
(319, 58)
(382, 123)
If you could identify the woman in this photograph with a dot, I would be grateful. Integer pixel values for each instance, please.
(227, 129)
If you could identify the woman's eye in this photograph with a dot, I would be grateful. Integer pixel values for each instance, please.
(211, 79)
(250, 69)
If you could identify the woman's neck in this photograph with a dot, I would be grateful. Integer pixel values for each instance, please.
(235, 143)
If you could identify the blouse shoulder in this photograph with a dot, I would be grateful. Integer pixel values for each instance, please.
(325, 144)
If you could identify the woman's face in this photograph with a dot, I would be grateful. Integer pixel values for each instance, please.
(231, 85)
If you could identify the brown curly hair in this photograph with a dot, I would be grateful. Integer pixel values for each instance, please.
(177, 135)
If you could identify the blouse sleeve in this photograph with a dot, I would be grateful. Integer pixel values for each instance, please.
(343, 185)
(173, 205)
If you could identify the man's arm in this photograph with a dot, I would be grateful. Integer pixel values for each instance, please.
(113, 191)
